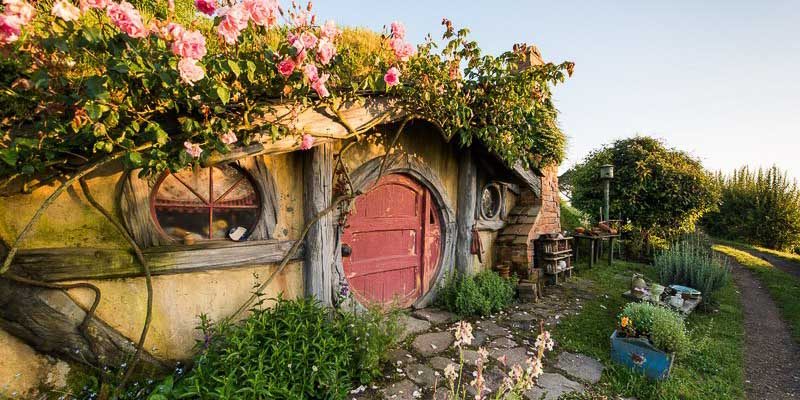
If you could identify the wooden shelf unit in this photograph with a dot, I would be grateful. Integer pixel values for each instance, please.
(549, 252)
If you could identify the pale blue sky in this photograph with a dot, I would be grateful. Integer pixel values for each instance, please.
(716, 78)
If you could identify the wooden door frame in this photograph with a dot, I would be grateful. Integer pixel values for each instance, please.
(402, 163)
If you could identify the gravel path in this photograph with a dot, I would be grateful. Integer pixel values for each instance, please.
(788, 266)
(772, 357)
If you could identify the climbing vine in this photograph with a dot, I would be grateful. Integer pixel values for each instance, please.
(82, 82)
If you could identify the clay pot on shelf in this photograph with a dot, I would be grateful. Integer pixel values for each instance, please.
(504, 270)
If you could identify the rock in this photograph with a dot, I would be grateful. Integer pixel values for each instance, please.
(429, 344)
(400, 355)
(580, 366)
(412, 326)
(502, 343)
(470, 357)
(403, 390)
(435, 315)
(422, 375)
(479, 338)
(552, 386)
(492, 329)
(440, 363)
(514, 356)
(523, 317)
(493, 378)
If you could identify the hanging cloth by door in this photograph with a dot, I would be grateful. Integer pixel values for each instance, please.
(476, 247)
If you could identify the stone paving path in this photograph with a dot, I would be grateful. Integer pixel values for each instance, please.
(416, 368)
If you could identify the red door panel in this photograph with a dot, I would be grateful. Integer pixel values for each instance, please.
(394, 236)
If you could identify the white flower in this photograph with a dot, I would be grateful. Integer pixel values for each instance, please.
(450, 372)
(463, 334)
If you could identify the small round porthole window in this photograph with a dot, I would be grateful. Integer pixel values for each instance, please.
(491, 201)
(205, 203)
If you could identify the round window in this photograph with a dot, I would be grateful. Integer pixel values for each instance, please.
(205, 203)
(491, 201)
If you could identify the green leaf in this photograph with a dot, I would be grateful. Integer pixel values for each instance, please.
(10, 156)
(251, 71)
(223, 93)
(135, 159)
(93, 110)
(156, 133)
(41, 79)
(95, 88)
(234, 66)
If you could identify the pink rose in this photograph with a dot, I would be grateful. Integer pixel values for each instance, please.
(89, 4)
(392, 77)
(262, 12)
(286, 67)
(310, 72)
(309, 40)
(20, 9)
(398, 30)
(301, 57)
(189, 44)
(307, 142)
(189, 70)
(329, 30)
(193, 149)
(238, 16)
(65, 10)
(10, 27)
(206, 7)
(319, 86)
(402, 50)
(229, 138)
(228, 30)
(127, 19)
(172, 31)
(325, 51)
(300, 19)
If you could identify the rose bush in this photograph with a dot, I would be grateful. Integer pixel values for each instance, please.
(102, 77)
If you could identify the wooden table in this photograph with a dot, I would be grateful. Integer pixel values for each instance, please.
(594, 246)
(688, 304)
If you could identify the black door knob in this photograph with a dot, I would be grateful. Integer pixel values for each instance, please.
(346, 250)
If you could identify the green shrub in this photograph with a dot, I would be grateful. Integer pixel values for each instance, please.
(295, 350)
(662, 191)
(571, 217)
(665, 328)
(759, 207)
(692, 263)
(482, 294)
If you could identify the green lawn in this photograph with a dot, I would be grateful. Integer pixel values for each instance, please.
(777, 253)
(713, 369)
(784, 288)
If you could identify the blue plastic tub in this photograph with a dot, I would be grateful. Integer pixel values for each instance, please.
(640, 355)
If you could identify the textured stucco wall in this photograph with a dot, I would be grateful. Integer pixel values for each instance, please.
(420, 140)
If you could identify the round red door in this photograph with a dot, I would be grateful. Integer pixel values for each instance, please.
(394, 236)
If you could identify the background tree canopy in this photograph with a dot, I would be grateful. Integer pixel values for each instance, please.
(757, 206)
(661, 191)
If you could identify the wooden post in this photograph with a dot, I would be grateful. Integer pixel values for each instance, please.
(320, 241)
(465, 214)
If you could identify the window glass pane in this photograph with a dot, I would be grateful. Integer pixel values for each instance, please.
(178, 222)
(184, 202)
(226, 219)
(184, 186)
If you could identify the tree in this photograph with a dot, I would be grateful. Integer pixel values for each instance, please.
(757, 206)
(659, 190)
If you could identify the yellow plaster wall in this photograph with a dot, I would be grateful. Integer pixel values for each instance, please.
(420, 141)
(178, 299)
